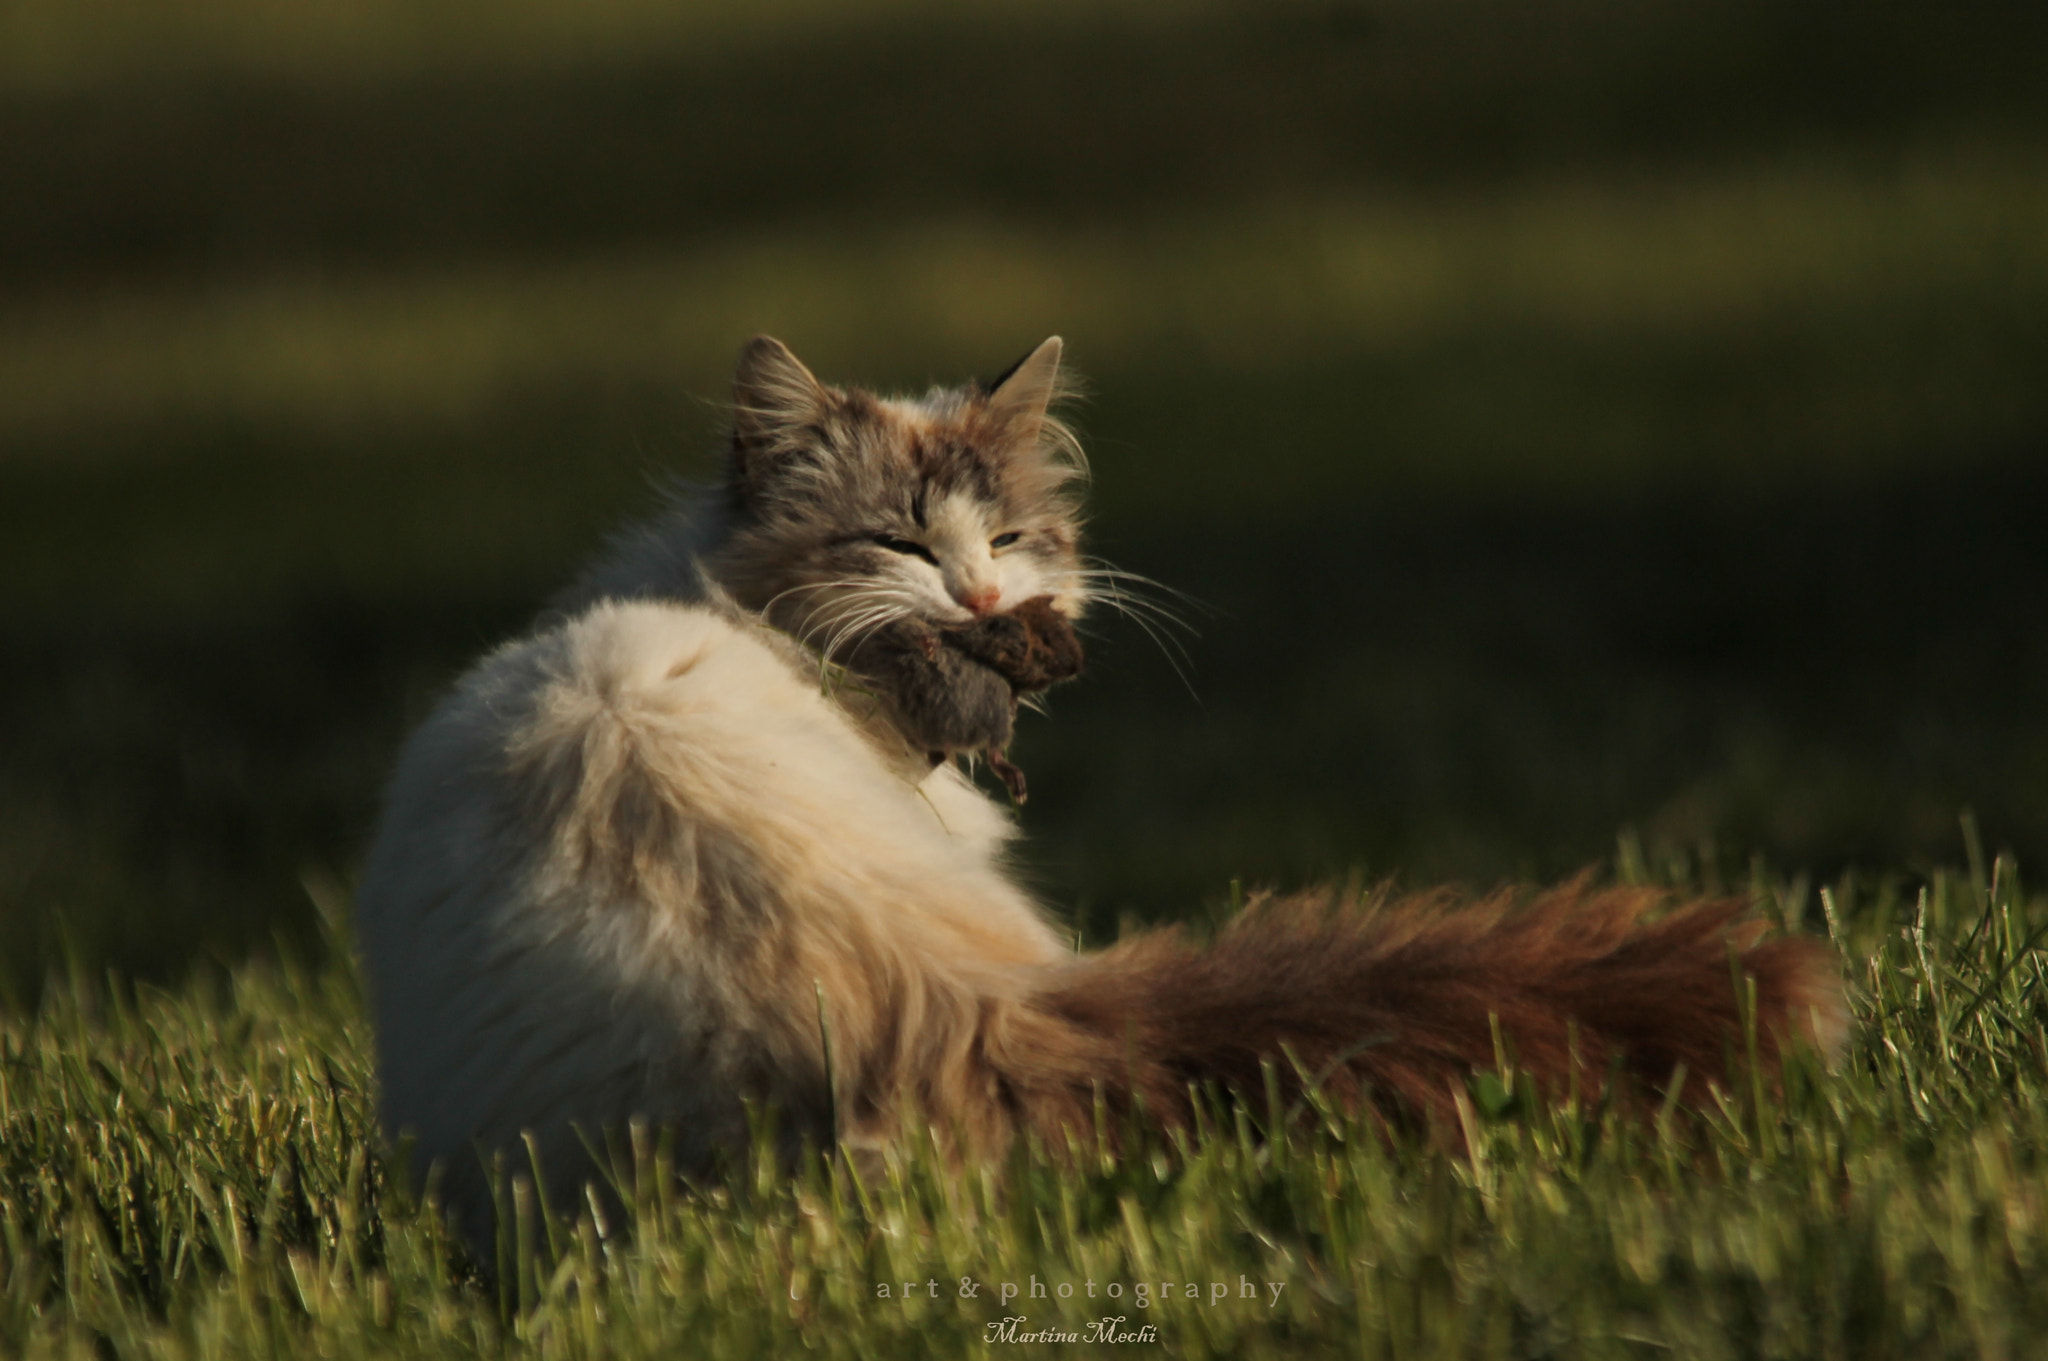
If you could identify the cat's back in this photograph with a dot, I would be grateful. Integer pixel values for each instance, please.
(662, 559)
(542, 737)
(626, 775)
(614, 861)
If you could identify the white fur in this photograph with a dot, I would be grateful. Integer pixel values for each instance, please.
(618, 865)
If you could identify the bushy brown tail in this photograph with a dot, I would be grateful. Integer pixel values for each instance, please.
(1401, 1000)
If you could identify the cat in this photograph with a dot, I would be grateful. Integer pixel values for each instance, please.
(680, 851)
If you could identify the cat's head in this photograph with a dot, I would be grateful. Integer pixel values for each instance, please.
(849, 509)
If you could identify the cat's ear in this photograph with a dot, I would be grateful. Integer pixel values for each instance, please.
(774, 401)
(1018, 400)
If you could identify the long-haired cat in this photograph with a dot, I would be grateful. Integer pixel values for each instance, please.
(658, 858)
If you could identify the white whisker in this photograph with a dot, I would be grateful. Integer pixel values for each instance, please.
(1128, 594)
(862, 622)
(829, 616)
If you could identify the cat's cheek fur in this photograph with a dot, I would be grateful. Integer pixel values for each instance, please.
(1018, 580)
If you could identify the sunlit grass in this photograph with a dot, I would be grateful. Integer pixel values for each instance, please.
(192, 1172)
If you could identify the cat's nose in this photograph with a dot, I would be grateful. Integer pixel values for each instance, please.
(980, 599)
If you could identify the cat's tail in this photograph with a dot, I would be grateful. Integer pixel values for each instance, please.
(1399, 1002)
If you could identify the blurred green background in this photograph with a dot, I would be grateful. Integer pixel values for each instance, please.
(1570, 420)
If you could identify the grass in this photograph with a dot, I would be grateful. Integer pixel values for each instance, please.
(193, 1171)
(1567, 415)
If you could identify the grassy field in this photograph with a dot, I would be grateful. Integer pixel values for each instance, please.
(1564, 421)
(193, 1172)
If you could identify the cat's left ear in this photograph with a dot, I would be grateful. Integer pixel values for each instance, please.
(1018, 400)
(773, 394)
(776, 404)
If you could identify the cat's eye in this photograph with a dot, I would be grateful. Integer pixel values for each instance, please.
(910, 548)
(1005, 540)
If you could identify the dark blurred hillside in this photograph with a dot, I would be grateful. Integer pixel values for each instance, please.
(1568, 419)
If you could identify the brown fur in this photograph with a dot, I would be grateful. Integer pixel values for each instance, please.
(954, 687)
(1033, 647)
(940, 698)
(1396, 1004)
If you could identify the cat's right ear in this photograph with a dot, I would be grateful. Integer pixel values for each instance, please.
(1020, 398)
(775, 402)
